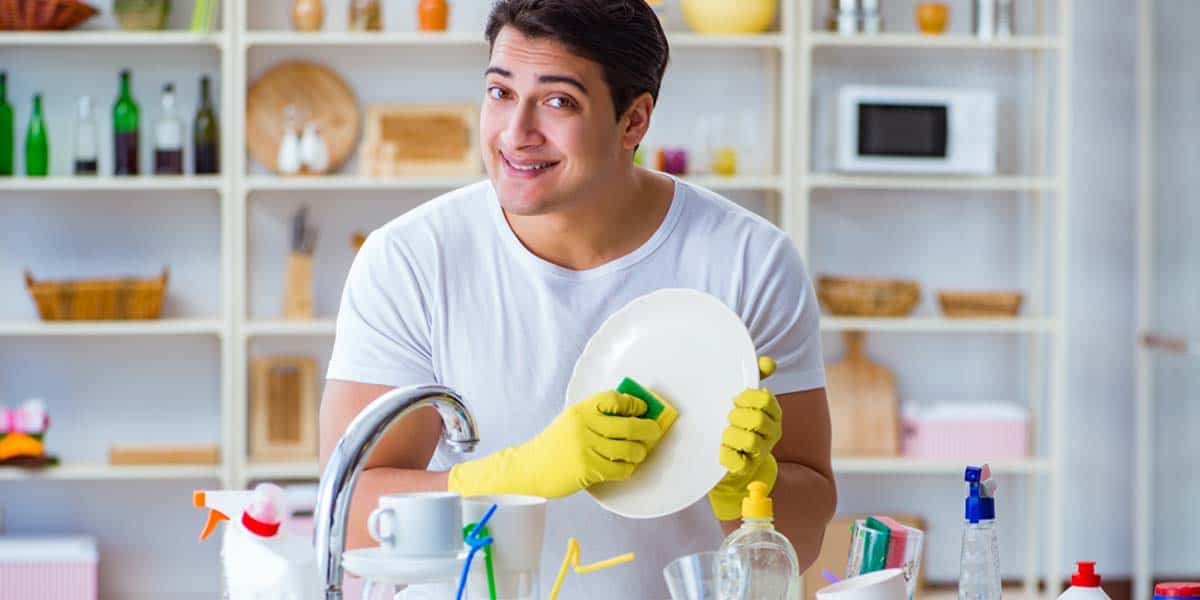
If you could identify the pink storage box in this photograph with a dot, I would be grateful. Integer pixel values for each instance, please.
(962, 431)
(48, 568)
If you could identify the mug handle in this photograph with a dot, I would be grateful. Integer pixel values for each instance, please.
(373, 524)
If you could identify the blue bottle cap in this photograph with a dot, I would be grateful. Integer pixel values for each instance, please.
(977, 508)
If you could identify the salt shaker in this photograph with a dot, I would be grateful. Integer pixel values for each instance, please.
(983, 19)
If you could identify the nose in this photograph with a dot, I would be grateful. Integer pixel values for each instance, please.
(522, 131)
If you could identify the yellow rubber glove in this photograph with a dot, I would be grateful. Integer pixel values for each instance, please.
(755, 426)
(599, 439)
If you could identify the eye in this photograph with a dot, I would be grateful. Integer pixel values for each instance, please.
(496, 93)
(561, 102)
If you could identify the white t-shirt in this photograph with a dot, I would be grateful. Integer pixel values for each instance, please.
(447, 294)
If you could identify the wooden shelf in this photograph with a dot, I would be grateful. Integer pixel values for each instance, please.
(949, 182)
(268, 183)
(938, 325)
(475, 39)
(85, 471)
(110, 38)
(163, 327)
(315, 327)
(916, 40)
(122, 184)
(911, 466)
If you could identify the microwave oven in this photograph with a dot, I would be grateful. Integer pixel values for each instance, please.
(889, 129)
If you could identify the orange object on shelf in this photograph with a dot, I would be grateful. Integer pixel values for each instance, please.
(932, 17)
(433, 15)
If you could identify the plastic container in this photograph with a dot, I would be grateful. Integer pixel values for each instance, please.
(957, 431)
(979, 565)
(756, 560)
(48, 568)
(1085, 584)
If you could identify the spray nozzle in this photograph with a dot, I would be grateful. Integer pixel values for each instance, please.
(980, 505)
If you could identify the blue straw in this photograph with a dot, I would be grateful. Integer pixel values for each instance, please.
(476, 543)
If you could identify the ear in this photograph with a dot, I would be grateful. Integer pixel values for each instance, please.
(636, 121)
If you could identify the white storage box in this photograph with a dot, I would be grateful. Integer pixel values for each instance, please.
(48, 568)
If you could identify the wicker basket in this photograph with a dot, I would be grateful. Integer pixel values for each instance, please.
(868, 297)
(980, 304)
(43, 15)
(98, 299)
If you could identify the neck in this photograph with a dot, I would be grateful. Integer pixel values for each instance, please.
(604, 226)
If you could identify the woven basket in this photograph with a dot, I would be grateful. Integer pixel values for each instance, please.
(868, 297)
(43, 15)
(98, 299)
(980, 304)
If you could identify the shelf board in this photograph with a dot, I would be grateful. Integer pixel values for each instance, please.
(123, 184)
(110, 38)
(912, 466)
(819, 39)
(84, 471)
(475, 39)
(938, 324)
(162, 327)
(949, 182)
(298, 470)
(267, 183)
(315, 327)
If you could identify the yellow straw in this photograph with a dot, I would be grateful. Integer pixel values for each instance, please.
(572, 559)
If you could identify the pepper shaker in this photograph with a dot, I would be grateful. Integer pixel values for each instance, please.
(983, 19)
(1004, 19)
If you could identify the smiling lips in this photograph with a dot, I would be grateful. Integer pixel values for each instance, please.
(527, 168)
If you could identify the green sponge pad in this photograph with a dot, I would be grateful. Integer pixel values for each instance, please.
(657, 409)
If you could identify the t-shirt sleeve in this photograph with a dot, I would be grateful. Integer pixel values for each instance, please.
(383, 323)
(784, 319)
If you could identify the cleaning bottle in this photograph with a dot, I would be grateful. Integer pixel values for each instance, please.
(1085, 584)
(979, 567)
(756, 560)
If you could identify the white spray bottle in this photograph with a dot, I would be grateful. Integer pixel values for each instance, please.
(260, 558)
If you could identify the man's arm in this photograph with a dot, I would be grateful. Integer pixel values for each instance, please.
(805, 496)
(397, 464)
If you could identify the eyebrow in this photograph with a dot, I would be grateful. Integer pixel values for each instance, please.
(542, 79)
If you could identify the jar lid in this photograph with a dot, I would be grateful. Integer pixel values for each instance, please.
(1178, 589)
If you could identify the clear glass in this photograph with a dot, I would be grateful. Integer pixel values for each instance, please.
(759, 563)
(694, 577)
(979, 569)
(908, 558)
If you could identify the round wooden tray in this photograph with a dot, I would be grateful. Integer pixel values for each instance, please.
(318, 94)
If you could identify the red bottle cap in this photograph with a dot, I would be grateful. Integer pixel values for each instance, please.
(259, 528)
(1086, 575)
(1178, 589)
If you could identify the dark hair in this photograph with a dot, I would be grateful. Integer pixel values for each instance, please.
(624, 36)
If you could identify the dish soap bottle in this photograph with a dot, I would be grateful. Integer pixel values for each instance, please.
(756, 560)
(1085, 584)
(979, 567)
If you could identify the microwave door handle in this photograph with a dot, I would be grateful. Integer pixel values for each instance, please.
(1172, 344)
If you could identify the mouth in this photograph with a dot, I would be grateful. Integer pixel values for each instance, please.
(527, 168)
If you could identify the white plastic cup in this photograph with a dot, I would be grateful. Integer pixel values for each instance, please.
(518, 528)
(887, 584)
(423, 524)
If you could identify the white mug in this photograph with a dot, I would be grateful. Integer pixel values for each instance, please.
(887, 584)
(422, 524)
(517, 527)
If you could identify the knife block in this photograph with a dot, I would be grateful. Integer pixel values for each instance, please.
(283, 409)
(297, 287)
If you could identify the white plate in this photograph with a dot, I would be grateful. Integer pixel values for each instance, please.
(693, 351)
(377, 565)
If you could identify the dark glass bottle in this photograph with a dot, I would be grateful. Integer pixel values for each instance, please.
(37, 142)
(126, 129)
(205, 134)
(6, 128)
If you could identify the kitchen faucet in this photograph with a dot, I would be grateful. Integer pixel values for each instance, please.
(346, 462)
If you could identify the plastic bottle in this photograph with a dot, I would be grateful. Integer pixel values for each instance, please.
(756, 560)
(1085, 584)
(979, 567)
(86, 138)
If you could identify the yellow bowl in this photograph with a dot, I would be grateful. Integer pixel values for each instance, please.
(729, 16)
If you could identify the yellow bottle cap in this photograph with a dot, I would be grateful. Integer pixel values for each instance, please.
(758, 504)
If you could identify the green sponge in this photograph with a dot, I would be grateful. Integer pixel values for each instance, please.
(657, 409)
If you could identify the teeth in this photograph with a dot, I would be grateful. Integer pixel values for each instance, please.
(531, 167)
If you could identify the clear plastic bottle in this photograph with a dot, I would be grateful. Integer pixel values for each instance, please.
(979, 568)
(87, 140)
(168, 137)
(758, 562)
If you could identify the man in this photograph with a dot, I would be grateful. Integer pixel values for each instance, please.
(494, 289)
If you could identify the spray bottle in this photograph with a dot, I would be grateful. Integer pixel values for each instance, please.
(979, 568)
(260, 558)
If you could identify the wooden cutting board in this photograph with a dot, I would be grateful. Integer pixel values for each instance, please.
(318, 94)
(862, 403)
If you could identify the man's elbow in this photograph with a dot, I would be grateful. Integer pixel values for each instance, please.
(823, 505)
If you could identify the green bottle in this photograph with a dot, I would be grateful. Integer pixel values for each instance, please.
(207, 151)
(6, 128)
(126, 129)
(37, 143)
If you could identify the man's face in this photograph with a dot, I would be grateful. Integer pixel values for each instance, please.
(548, 127)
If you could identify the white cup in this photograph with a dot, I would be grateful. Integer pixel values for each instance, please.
(517, 528)
(423, 524)
(887, 584)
